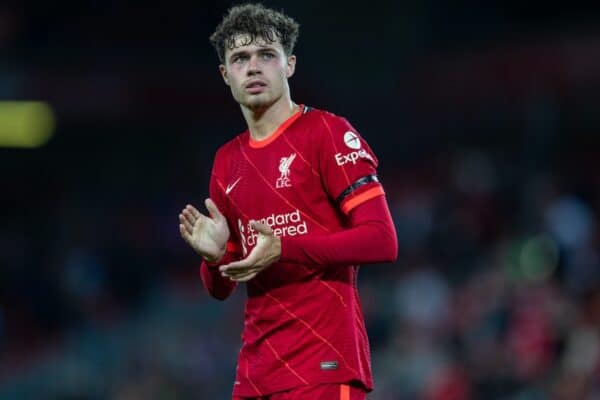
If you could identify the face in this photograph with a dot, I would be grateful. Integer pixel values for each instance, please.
(257, 72)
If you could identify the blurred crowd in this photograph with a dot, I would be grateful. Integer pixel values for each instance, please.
(495, 295)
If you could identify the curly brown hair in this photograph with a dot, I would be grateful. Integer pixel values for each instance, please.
(256, 21)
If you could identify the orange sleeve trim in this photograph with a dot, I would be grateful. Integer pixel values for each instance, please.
(344, 392)
(258, 144)
(361, 198)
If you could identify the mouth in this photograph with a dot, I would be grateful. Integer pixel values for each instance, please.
(255, 86)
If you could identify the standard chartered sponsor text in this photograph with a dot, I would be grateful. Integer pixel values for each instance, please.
(284, 224)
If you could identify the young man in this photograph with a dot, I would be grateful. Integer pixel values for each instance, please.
(295, 205)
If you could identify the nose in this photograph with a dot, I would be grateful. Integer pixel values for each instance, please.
(253, 65)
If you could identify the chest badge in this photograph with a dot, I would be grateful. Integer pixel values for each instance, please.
(284, 168)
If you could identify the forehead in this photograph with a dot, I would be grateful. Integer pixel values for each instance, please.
(245, 41)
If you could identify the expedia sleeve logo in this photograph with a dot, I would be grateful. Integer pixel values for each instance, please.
(352, 140)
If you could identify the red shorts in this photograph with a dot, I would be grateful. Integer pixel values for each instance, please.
(328, 391)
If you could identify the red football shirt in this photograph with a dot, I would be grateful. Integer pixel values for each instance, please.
(303, 323)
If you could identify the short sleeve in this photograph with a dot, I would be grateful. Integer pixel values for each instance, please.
(348, 165)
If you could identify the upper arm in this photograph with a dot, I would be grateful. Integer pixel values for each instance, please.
(348, 165)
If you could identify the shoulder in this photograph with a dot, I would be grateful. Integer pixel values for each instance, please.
(324, 117)
(230, 148)
(325, 125)
(337, 135)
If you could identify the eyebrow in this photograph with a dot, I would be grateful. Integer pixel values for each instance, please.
(245, 52)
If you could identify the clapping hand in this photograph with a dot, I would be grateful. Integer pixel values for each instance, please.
(207, 235)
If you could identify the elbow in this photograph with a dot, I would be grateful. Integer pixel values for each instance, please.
(219, 292)
(219, 289)
(391, 248)
(390, 240)
(387, 243)
(221, 296)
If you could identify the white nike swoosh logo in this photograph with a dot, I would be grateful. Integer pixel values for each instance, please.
(230, 187)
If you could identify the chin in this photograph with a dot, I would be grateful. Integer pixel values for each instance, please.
(258, 103)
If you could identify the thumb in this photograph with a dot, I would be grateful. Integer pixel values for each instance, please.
(262, 228)
(213, 210)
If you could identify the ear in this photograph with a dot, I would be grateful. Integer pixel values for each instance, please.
(291, 66)
(223, 71)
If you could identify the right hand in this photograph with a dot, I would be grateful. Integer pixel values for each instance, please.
(208, 236)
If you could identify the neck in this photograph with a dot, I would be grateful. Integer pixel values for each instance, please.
(262, 123)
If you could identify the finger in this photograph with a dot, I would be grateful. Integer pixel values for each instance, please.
(240, 271)
(186, 224)
(245, 278)
(190, 222)
(213, 209)
(262, 228)
(241, 275)
(238, 277)
(191, 218)
(236, 265)
(193, 210)
(184, 233)
(240, 266)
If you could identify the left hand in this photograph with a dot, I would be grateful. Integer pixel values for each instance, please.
(266, 252)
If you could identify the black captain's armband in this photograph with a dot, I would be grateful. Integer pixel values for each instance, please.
(362, 181)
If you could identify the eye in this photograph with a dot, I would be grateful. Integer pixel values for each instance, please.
(239, 59)
(268, 56)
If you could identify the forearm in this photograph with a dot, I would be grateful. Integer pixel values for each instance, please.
(218, 286)
(371, 238)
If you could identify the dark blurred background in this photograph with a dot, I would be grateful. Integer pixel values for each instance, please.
(485, 117)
